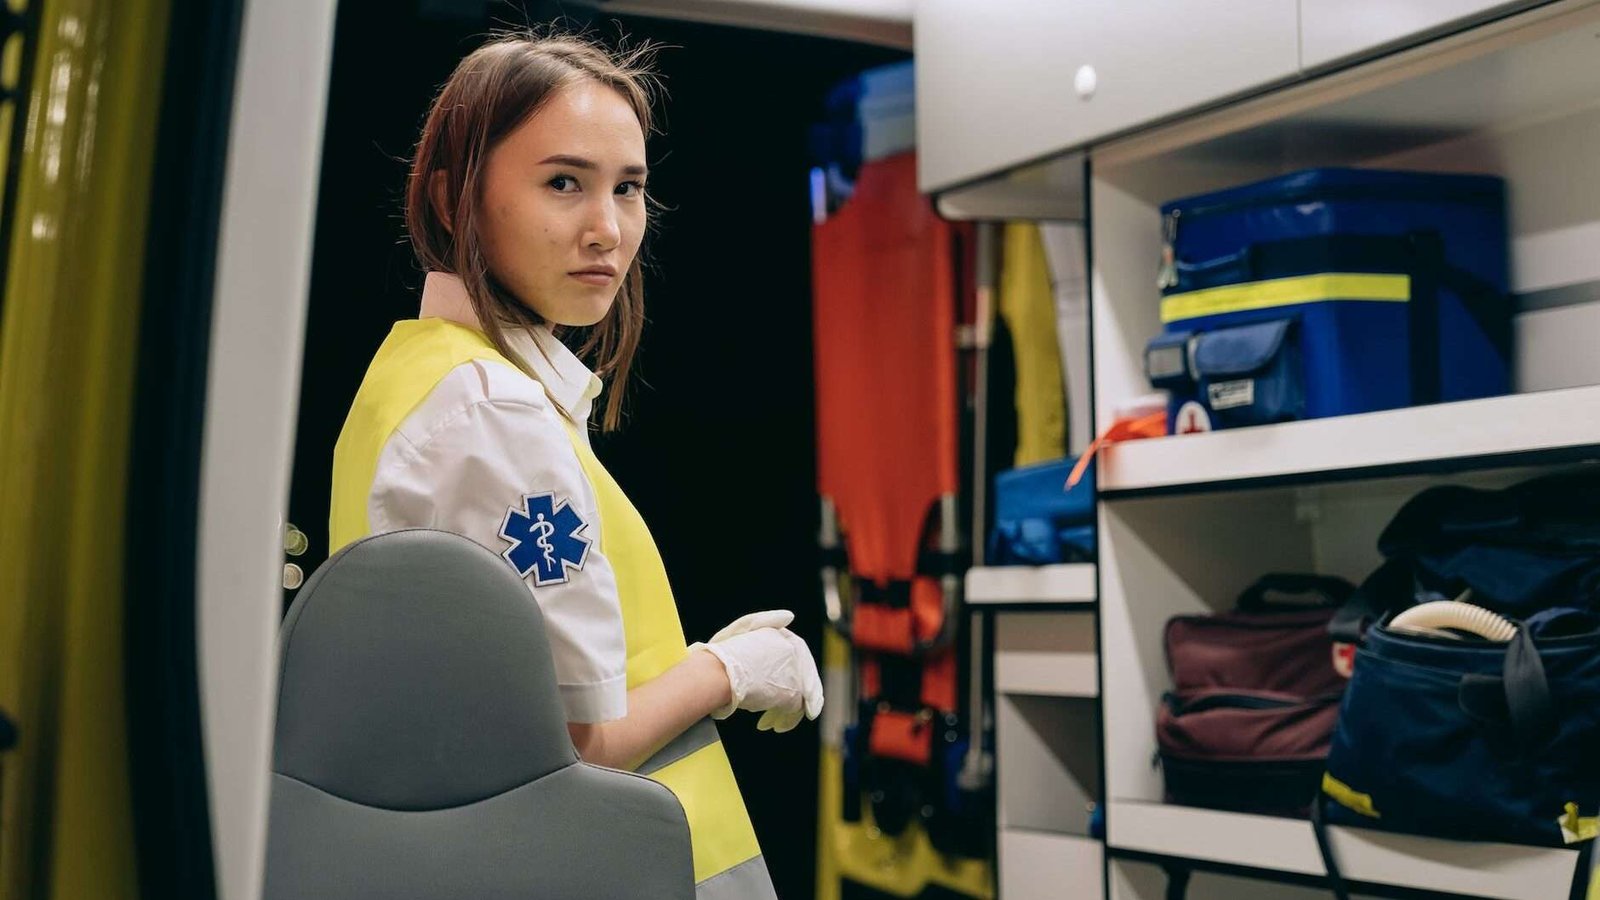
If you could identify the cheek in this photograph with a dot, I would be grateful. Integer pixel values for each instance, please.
(522, 234)
(633, 227)
(501, 237)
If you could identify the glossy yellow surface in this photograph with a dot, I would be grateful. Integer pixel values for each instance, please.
(68, 335)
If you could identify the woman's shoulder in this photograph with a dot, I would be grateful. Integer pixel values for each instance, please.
(476, 388)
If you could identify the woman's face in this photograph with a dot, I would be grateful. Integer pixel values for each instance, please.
(563, 204)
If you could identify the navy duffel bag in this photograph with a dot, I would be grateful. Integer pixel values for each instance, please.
(1472, 739)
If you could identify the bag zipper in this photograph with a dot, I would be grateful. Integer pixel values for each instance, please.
(1167, 277)
(1238, 701)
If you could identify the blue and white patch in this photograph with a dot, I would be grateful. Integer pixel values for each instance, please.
(546, 539)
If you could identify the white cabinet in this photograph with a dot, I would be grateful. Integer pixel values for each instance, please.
(1049, 654)
(1187, 522)
(1335, 29)
(1048, 763)
(1042, 866)
(1009, 81)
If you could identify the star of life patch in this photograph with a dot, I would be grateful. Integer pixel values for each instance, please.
(546, 539)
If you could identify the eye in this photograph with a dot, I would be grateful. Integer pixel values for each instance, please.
(630, 188)
(562, 183)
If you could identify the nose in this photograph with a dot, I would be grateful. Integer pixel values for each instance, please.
(602, 232)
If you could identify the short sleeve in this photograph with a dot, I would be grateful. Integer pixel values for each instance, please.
(503, 473)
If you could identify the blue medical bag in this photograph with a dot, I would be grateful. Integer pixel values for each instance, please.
(1468, 739)
(1038, 520)
(1331, 292)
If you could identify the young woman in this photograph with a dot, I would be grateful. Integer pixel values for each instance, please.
(526, 204)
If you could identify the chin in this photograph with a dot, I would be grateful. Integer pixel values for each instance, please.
(582, 314)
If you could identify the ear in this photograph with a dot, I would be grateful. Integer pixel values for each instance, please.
(439, 196)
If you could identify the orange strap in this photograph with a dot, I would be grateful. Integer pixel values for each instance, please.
(905, 736)
(1152, 425)
(874, 626)
(927, 607)
(871, 678)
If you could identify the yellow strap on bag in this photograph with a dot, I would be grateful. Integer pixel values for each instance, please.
(1276, 292)
(1285, 292)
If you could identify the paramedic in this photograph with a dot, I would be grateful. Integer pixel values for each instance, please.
(526, 204)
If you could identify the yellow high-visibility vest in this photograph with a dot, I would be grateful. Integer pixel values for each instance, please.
(415, 357)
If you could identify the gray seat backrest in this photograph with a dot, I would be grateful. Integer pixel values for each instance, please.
(422, 748)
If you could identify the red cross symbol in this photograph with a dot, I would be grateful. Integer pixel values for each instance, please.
(1192, 419)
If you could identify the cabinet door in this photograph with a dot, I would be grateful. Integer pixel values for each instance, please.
(1007, 81)
(1332, 30)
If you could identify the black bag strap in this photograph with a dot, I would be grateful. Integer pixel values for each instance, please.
(1177, 881)
(1419, 254)
(1423, 316)
(1333, 590)
(1533, 710)
(1319, 827)
(1584, 873)
(1489, 306)
(1375, 597)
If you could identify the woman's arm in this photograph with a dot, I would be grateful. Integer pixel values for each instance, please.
(658, 711)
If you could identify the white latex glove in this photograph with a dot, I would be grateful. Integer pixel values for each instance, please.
(770, 670)
(771, 618)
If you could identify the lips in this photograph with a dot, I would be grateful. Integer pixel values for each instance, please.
(595, 275)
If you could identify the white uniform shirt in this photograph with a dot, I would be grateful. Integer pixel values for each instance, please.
(478, 456)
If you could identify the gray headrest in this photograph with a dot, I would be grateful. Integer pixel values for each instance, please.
(416, 675)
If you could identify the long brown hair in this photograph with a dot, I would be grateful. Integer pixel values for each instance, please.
(493, 91)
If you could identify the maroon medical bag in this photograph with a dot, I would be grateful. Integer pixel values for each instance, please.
(1255, 698)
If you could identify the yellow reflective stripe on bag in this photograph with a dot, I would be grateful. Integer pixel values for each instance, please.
(1349, 797)
(1277, 292)
(1577, 828)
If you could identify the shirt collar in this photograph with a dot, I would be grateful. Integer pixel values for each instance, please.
(562, 373)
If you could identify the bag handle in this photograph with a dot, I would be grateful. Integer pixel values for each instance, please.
(1518, 698)
(1533, 710)
(1370, 601)
(1333, 591)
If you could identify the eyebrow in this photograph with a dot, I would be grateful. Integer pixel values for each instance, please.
(578, 162)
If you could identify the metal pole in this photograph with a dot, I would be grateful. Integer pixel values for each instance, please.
(976, 767)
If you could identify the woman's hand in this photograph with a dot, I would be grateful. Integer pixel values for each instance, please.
(769, 668)
(755, 663)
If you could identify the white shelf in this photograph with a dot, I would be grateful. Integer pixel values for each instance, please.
(1047, 763)
(1037, 865)
(1525, 68)
(1046, 654)
(1048, 191)
(1502, 871)
(1073, 583)
(1444, 433)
